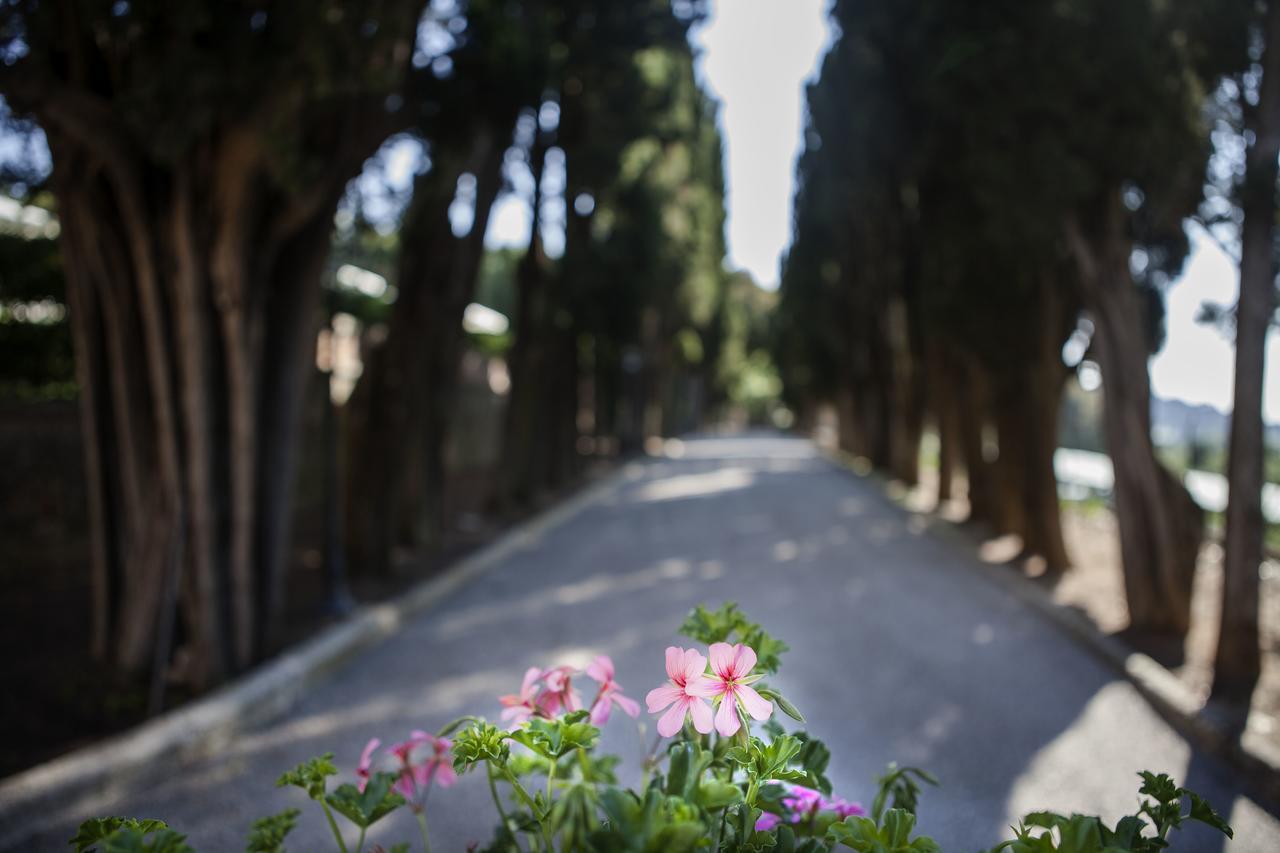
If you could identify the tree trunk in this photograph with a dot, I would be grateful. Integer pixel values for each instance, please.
(526, 362)
(193, 293)
(1237, 664)
(1160, 525)
(971, 386)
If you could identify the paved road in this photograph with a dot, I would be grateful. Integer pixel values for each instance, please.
(900, 651)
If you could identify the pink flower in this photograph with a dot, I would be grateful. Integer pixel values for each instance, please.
(366, 760)
(518, 708)
(844, 808)
(559, 694)
(767, 821)
(686, 692)
(610, 694)
(418, 771)
(731, 671)
(803, 803)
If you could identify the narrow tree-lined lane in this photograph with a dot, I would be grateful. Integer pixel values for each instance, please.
(900, 650)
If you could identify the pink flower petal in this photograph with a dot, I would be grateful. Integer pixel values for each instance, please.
(727, 722)
(704, 686)
(670, 722)
(600, 711)
(628, 705)
(675, 663)
(444, 775)
(694, 665)
(700, 711)
(601, 669)
(722, 656)
(744, 661)
(660, 697)
(757, 706)
(530, 683)
(367, 755)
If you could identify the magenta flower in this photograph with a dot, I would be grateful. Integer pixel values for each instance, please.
(844, 808)
(767, 821)
(686, 692)
(731, 673)
(519, 707)
(803, 803)
(366, 760)
(610, 693)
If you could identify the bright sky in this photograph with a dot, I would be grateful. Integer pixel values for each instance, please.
(1197, 364)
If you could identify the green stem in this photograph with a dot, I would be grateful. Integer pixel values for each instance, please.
(497, 801)
(551, 775)
(422, 825)
(360, 842)
(530, 805)
(333, 825)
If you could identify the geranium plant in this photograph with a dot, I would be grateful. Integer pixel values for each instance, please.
(723, 773)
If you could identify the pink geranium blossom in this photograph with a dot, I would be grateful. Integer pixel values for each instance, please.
(767, 821)
(686, 693)
(731, 673)
(558, 694)
(419, 768)
(516, 708)
(366, 761)
(610, 693)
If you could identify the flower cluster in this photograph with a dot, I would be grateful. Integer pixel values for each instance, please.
(806, 804)
(418, 762)
(546, 693)
(690, 686)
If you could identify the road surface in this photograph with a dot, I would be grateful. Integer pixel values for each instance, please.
(900, 650)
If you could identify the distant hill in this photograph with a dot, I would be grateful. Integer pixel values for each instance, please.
(1176, 422)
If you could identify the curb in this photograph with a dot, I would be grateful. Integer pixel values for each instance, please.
(1206, 726)
(82, 782)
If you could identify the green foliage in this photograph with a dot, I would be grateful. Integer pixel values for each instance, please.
(267, 834)
(901, 784)
(892, 835)
(478, 742)
(553, 792)
(98, 831)
(1041, 832)
(729, 625)
(367, 807)
(310, 775)
(556, 738)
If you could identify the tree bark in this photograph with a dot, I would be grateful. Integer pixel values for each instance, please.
(1237, 664)
(191, 340)
(1160, 525)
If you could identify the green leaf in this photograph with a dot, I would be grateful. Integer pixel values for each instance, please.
(268, 833)
(729, 625)
(365, 808)
(95, 830)
(310, 775)
(782, 703)
(714, 795)
(480, 742)
(1201, 811)
(557, 738)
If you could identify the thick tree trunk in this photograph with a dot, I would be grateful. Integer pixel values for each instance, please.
(943, 404)
(193, 293)
(1160, 525)
(1237, 664)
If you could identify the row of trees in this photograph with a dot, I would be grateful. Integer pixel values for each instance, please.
(982, 182)
(199, 152)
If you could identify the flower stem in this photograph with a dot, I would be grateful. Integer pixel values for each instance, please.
(333, 825)
(360, 842)
(497, 801)
(422, 825)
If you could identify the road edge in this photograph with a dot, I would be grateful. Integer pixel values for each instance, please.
(1204, 725)
(78, 784)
